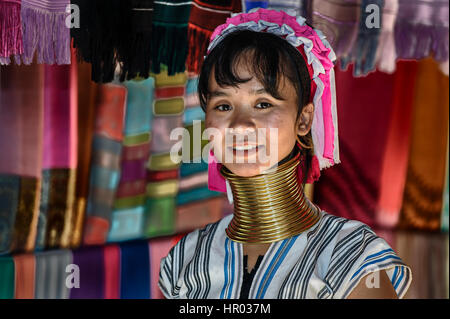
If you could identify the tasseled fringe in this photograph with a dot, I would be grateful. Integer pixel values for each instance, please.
(10, 31)
(418, 41)
(135, 56)
(46, 34)
(169, 47)
(198, 45)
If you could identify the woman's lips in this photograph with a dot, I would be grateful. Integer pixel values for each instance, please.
(244, 150)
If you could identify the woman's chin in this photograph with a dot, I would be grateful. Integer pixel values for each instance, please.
(246, 169)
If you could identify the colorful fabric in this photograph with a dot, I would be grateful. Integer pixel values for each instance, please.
(425, 179)
(24, 266)
(364, 51)
(90, 262)
(421, 30)
(105, 165)
(205, 16)
(21, 135)
(45, 32)
(87, 94)
(325, 262)
(59, 157)
(198, 214)
(159, 216)
(136, 49)
(396, 153)
(50, 276)
(386, 52)
(169, 38)
(352, 189)
(134, 270)
(111, 254)
(11, 41)
(339, 21)
(7, 278)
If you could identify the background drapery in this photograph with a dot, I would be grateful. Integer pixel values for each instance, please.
(85, 170)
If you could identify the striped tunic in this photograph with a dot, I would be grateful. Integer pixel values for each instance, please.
(326, 261)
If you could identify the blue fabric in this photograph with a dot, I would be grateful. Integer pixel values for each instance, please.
(365, 48)
(135, 270)
(139, 106)
(126, 224)
(193, 113)
(187, 169)
(250, 4)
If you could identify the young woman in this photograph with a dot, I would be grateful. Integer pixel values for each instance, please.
(268, 70)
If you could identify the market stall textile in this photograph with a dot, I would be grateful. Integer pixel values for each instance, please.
(21, 141)
(11, 41)
(425, 179)
(204, 17)
(105, 162)
(352, 188)
(45, 32)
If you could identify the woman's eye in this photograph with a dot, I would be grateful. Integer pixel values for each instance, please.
(223, 107)
(263, 105)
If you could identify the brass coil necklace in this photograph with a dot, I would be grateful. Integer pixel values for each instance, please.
(269, 207)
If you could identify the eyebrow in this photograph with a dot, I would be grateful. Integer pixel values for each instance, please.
(254, 92)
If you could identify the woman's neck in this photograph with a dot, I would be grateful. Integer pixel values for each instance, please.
(270, 207)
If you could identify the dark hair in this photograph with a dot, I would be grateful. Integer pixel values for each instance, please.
(268, 57)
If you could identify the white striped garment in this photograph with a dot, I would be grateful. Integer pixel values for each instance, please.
(326, 261)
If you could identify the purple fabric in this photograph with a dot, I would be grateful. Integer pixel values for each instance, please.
(421, 29)
(45, 32)
(11, 42)
(90, 261)
(133, 170)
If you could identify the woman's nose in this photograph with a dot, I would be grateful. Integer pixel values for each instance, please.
(242, 121)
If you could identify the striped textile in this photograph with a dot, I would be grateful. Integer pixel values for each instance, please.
(128, 214)
(162, 174)
(327, 261)
(105, 162)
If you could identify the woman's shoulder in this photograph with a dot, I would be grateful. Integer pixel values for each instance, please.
(353, 251)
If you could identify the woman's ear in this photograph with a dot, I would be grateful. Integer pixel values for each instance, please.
(305, 120)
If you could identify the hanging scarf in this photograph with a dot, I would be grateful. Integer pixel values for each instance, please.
(386, 53)
(338, 20)
(24, 265)
(204, 18)
(422, 201)
(11, 42)
(169, 39)
(90, 261)
(296, 7)
(396, 153)
(365, 48)
(135, 51)
(45, 32)
(352, 189)
(102, 29)
(421, 29)
(59, 156)
(21, 127)
(87, 93)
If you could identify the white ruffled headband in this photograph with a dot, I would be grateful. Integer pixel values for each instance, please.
(320, 57)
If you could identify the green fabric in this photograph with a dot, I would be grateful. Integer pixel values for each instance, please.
(190, 128)
(129, 202)
(6, 278)
(169, 36)
(159, 217)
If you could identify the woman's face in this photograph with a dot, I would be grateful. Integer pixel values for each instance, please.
(239, 113)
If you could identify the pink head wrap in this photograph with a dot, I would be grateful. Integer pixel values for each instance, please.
(319, 57)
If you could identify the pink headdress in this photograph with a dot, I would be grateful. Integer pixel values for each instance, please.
(319, 57)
